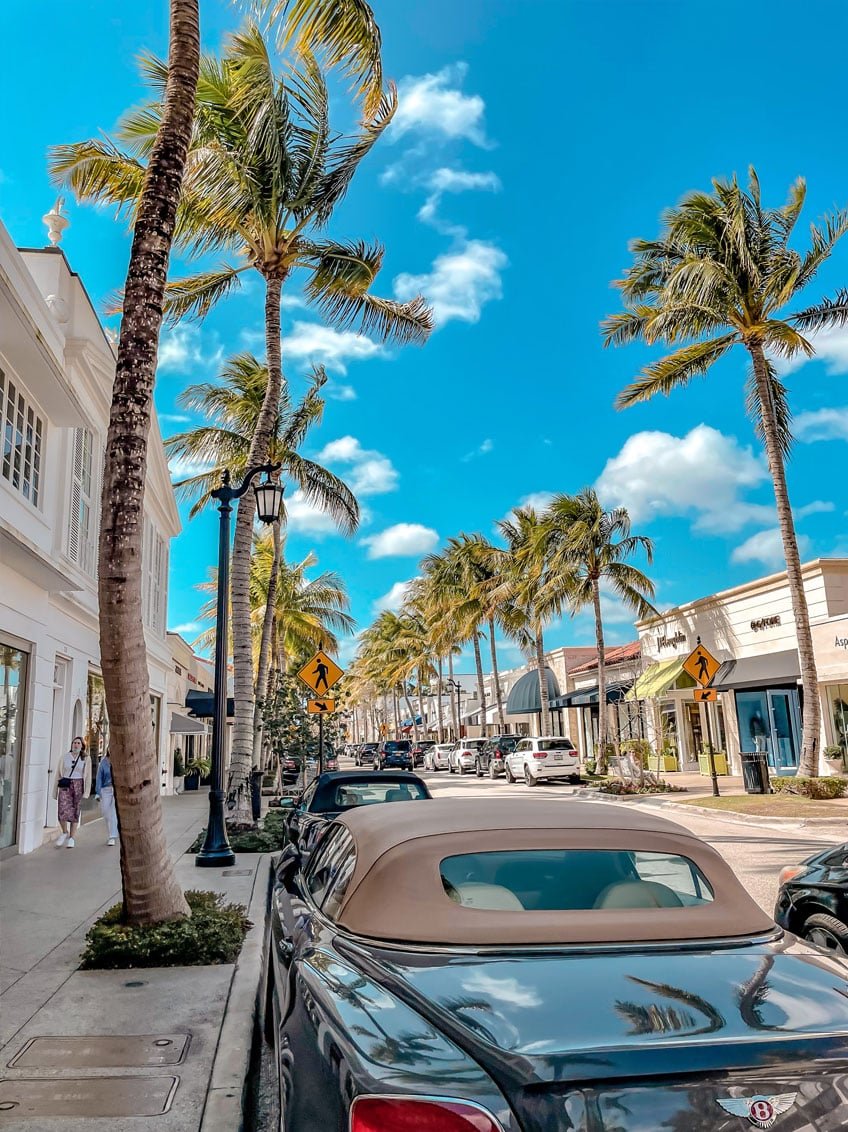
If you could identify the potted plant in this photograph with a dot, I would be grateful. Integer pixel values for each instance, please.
(834, 758)
(198, 768)
(663, 760)
(719, 758)
(179, 770)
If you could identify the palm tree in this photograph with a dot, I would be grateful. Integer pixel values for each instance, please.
(263, 178)
(720, 275)
(591, 546)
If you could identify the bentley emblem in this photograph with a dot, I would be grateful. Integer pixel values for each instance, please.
(761, 1111)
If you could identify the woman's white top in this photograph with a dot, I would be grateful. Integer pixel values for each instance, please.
(68, 762)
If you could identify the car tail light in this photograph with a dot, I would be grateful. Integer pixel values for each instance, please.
(790, 872)
(540, 754)
(416, 1114)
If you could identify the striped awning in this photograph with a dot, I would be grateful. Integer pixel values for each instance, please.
(657, 679)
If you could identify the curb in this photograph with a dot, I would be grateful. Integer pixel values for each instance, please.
(224, 1108)
(720, 815)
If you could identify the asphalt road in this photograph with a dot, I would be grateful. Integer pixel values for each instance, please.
(756, 853)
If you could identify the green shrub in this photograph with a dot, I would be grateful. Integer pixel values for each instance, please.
(834, 786)
(212, 934)
(268, 837)
(620, 786)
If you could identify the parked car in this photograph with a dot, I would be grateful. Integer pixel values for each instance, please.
(490, 757)
(438, 757)
(420, 749)
(395, 754)
(527, 966)
(363, 754)
(538, 759)
(336, 792)
(290, 769)
(813, 899)
(463, 755)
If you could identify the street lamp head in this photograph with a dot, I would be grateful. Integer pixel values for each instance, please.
(269, 500)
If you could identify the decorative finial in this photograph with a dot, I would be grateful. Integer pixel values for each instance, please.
(56, 221)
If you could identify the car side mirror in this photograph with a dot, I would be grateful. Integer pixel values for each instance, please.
(288, 865)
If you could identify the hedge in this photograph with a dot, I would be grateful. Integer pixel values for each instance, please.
(834, 786)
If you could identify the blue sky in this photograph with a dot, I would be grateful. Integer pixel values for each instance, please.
(533, 140)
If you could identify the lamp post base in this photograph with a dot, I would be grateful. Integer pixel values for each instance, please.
(216, 852)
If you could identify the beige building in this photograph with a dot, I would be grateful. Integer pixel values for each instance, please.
(191, 736)
(751, 630)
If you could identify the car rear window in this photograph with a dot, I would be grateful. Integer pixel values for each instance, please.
(574, 880)
(401, 746)
(556, 745)
(351, 794)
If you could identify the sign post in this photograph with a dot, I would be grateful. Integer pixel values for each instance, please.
(702, 666)
(320, 674)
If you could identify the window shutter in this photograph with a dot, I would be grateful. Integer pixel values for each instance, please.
(76, 496)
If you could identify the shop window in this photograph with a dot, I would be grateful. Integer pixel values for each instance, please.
(668, 726)
(21, 441)
(838, 697)
(721, 730)
(13, 674)
(97, 730)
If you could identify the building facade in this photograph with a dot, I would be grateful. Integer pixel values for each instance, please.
(56, 373)
(190, 736)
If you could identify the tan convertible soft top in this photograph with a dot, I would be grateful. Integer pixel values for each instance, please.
(396, 891)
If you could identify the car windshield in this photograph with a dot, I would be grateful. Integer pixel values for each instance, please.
(398, 747)
(555, 745)
(507, 744)
(537, 880)
(348, 795)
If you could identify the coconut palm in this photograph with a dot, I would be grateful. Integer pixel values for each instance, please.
(263, 178)
(720, 275)
(591, 546)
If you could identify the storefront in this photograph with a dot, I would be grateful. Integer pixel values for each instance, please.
(830, 641)
(768, 706)
(13, 682)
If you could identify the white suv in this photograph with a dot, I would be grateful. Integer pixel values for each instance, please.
(552, 756)
(463, 757)
(438, 757)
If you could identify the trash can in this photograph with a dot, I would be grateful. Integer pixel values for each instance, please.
(256, 794)
(755, 772)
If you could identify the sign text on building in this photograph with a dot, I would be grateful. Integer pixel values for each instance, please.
(765, 622)
(671, 642)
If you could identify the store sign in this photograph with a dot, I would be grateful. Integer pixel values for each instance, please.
(841, 643)
(765, 623)
(671, 642)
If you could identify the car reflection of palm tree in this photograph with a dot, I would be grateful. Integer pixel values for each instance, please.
(661, 1018)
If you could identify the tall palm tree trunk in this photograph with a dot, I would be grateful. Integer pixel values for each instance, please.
(440, 719)
(603, 710)
(242, 750)
(396, 710)
(481, 691)
(411, 711)
(150, 889)
(496, 676)
(421, 711)
(809, 762)
(453, 711)
(544, 698)
(264, 665)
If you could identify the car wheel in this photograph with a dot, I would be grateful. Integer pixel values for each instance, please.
(510, 777)
(529, 780)
(451, 767)
(574, 779)
(827, 933)
(478, 770)
(493, 771)
(460, 768)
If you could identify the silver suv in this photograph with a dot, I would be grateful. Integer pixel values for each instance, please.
(463, 757)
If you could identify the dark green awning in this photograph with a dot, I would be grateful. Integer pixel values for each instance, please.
(585, 697)
(524, 698)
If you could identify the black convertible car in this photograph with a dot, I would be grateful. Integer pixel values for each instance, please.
(334, 793)
(813, 899)
(543, 966)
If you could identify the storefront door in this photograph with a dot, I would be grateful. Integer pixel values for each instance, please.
(13, 669)
(694, 729)
(783, 710)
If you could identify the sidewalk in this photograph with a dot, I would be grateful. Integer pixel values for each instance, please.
(169, 1020)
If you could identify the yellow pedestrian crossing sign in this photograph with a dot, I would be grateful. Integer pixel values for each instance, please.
(321, 707)
(701, 665)
(320, 673)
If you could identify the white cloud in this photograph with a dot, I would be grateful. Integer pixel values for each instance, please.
(817, 507)
(184, 467)
(292, 302)
(831, 347)
(460, 283)
(175, 418)
(183, 348)
(401, 541)
(306, 517)
(434, 104)
(822, 424)
(481, 450)
(188, 627)
(702, 474)
(321, 345)
(337, 391)
(767, 547)
(371, 473)
(538, 500)
(446, 180)
(394, 599)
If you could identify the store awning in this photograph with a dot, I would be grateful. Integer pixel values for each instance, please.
(586, 697)
(658, 679)
(767, 671)
(185, 725)
(524, 698)
(200, 705)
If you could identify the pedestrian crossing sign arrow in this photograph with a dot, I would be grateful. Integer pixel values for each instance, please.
(706, 695)
(321, 707)
(320, 673)
(701, 665)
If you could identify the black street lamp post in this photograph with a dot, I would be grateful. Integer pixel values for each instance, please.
(216, 851)
(457, 687)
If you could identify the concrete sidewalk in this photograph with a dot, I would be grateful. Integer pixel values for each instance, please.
(52, 1015)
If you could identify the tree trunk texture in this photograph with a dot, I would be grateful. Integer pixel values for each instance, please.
(241, 762)
(440, 719)
(544, 698)
(811, 721)
(396, 710)
(453, 711)
(496, 677)
(264, 665)
(603, 709)
(481, 691)
(150, 890)
(421, 703)
(411, 711)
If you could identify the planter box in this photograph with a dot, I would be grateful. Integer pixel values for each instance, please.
(661, 763)
(720, 760)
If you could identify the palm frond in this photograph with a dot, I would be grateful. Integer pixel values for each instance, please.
(195, 296)
(675, 370)
(97, 171)
(827, 313)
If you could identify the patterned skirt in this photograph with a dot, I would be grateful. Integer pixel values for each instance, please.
(70, 800)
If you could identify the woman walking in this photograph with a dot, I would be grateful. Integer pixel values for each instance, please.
(73, 783)
(104, 788)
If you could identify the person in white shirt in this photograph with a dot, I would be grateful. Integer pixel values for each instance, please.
(73, 783)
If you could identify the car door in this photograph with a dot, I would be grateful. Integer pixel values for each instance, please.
(299, 814)
(516, 759)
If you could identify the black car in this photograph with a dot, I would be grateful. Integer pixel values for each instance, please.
(813, 899)
(337, 792)
(490, 759)
(363, 754)
(420, 749)
(393, 754)
(537, 966)
(290, 768)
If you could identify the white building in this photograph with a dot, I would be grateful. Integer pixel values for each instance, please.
(56, 373)
(190, 736)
